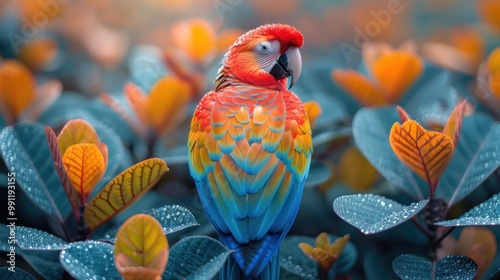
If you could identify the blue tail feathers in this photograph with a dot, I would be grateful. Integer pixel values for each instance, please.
(233, 271)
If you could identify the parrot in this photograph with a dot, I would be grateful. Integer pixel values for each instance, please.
(250, 147)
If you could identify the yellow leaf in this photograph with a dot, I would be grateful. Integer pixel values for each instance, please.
(454, 122)
(141, 248)
(17, 87)
(427, 153)
(494, 84)
(325, 254)
(123, 190)
(195, 37)
(493, 62)
(85, 166)
(396, 72)
(355, 171)
(323, 241)
(359, 87)
(479, 244)
(313, 111)
(167, 103)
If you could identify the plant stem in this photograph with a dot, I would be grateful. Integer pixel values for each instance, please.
(443, 235)
(82, 231)
(322, 273)
(421, 227)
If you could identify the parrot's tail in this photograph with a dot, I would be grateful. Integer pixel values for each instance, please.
(232, 271)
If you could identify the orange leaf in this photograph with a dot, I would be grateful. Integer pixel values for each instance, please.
(123, 190)
(359, 87)
(449, 57)
(195, 37)
(356, 171)
(79, 131)
(313, 110)
(124, 114)
(138, 101)
(427, 153)
(396, 72)
(489, 11)
(494, 84)
(479, 244)
(141, 248)
(371, 51)
(55, 152)
(17, 87)
(84, 164)
(38, 52)
(470, 41)
(454, 122)
(167, 103)
(493, 62)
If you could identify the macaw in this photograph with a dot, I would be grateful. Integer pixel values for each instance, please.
(250, 149)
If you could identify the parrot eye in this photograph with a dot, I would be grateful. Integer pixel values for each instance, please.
(264, 47)
(267, 47)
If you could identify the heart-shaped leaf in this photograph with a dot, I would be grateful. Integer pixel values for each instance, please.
(361, 89)
(373, 213)
(450, 267)
(15, 273)
(395, 72)
(141, 248)
(85, 166)
(485, 214)
(61, 171)
(172, 218)
(474, 159)
(29, 158)
(89, 260)
(123, 190)
(196, 257)
(371, 129)
(293, 261)
(427, 153)
(34, 239)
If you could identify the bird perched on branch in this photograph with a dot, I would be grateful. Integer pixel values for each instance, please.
(250, 149)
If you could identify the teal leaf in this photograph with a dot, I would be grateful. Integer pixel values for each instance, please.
(27, 154)
(44, 262)
(485, 214)
(476, 157)
(294, 262)
(373, 213)
(15, 273)
(34, 239)
(319, 172)
(450, 267)
(172, 218)
(89, 260)
(329, 137)
(371, 129)
(195, 257)
(175, 155)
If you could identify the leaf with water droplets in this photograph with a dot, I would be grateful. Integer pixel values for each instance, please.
(196, 257)
(89, 260)
(485, 214)
(450, 267)
(172, 218)
(476, 157)
(27, 154)
(373, 213)
(34, 239)
(371, 129)
(15, 274)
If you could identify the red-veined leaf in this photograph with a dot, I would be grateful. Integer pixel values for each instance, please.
(123, 190)
(141, 248)
(454, 122)
(403, 115)
(359, 87)
(427, 153)
(85, 166)
(61, 171)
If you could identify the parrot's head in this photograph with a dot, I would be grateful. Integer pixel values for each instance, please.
(267, 56)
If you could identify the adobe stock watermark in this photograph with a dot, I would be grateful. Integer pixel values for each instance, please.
(223, 6)
(11, 221)
(380, 19)
(31, 27)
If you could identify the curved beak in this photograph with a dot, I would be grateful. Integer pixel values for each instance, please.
(288, 64)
